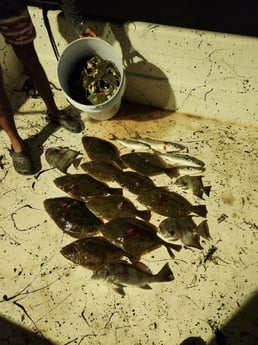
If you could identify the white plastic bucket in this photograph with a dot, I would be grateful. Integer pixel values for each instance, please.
(74, 53)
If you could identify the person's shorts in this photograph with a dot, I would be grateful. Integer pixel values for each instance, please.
(18, 30)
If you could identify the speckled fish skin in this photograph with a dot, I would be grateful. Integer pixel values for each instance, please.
(169, 204)
(160, 145)
(133, 181)
(84, 186)
(135, 236)
(61, 157)
(102, 171)
(116, 206)
(72, 216)
(183, 228)
(149, 164)
(92, 252)
(121, 273)
(102, 150)
(193, 183)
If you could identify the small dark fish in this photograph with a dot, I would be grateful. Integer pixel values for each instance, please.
(193, 183)
(149, 164)
(72, 216)
(169, 204)
(181, 228)
(121, 274)
(116, 206)
(160, 145)
(60, 157)
(134, 182)
(84, 186)
(102, 150)
(93, 252)
(135, 236)
(102, 171)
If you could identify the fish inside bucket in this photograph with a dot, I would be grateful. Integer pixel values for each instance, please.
(92, 77)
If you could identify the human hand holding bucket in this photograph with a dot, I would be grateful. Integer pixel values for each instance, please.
(74, 53)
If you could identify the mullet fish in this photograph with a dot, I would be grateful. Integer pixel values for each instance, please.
(121, 274)
(160, 145)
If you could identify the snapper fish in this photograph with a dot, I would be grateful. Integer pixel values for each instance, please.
(102, 150)
(93, 252)
(60, 157)
(84, 186)
(135, 236)
(120, 274)
(72, 216)
(193, 183)
(116, 206)
(160, 145)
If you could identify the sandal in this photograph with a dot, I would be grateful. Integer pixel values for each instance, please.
(22, 162)
(67, 121)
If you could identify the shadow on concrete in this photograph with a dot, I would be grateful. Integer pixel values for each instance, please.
(13, 334)
(241, 329)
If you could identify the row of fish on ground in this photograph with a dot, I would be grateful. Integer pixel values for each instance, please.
(112, 234)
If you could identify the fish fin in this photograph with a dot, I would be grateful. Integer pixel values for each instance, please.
(144, 214)
(142, 267)
(203, 230)
(77, 162)
(172, 172)
(201, 210)
(119, 289)
(165, 274)
(207, 190)
(194, 241)
(146, 287)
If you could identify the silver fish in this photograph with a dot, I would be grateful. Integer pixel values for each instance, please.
(60, 157)
(181, 159)
(121, 273)
(131, 143)
(160, 145)
(194, 183)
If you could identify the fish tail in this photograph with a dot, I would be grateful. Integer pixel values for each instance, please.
(176, 247)
(144, 214)
(207, 190)
(165, 274)
(201, 210)
(203, 230)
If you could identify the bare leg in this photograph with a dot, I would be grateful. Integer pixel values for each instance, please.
(7, 119)
(29, 58)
